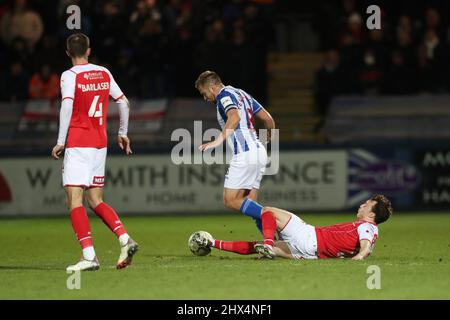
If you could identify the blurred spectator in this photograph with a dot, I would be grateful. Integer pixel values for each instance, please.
(379, 47)
(45, 84)
(327, 11)
(48, 52)
(348, 7)
(108, 33)
(405, 24)
(328, 81)
(431, 43)
(426, 75)
(436, 53)
(371, 73)
(241, 63)
(178, 14)
(258, 33)
(353, 30)
(151, 43)
(185, 73)
(351, 53)
(433, 23)
(355, 27)
(232, 11)
(210, 54)
(126, 73)
(18, 51)
(22, 22)
(399, 77)
(16, 86)
(351, 56)
(404, 44)
(3, 9)
(146, 10)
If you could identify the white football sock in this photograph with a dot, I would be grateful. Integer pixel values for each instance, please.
(89, 253)
(123, 239)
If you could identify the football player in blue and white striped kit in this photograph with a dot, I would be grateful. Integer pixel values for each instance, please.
(236, 110)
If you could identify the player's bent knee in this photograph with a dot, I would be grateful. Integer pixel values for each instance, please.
(266, 209)
(228, 203)
(231, 203)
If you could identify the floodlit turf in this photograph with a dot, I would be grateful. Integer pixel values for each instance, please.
(413, 253)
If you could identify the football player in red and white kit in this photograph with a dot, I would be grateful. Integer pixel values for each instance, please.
(85, 90)
(299, 240)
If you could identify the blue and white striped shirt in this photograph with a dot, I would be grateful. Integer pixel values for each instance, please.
(244, 137)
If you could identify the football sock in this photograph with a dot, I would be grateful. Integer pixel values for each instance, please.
(241, 247)
(80, 224)
(269, 226)
(123, 239)
(258, 223)
(251, 208)
(110, 218)
(89, 253)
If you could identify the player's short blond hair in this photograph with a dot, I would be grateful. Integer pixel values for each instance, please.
(207, 78)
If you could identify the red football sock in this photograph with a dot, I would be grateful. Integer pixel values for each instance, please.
(241, 247)
(269, 226)
(80, 224)
(110, 218)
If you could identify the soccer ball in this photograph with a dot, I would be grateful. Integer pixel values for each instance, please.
(198, 243)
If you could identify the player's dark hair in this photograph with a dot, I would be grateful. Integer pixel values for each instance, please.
(77, 44)
(207, 77)
(382, 209)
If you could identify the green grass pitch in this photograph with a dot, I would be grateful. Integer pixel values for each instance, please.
(413, 253)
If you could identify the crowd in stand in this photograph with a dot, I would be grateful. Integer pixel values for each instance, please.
(409, 55)
(154, 48)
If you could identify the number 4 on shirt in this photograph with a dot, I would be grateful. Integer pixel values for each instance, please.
(93, 112)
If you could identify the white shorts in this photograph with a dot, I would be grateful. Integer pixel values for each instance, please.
(300, 238)
(84, 167)
(246, 169)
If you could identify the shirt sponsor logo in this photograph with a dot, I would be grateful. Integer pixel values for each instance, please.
(99, 180)
(93, 75)
(94, 86)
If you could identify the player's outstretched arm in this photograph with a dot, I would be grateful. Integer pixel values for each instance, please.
(230, 126)
(364, 250)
